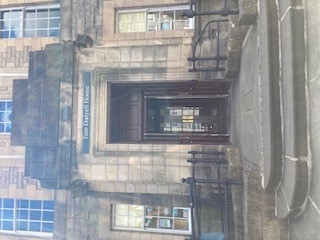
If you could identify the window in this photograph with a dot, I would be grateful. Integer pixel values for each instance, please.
(41, 21)
(152, 218)
(197, 116)
(26, 215)
(154, 19)
(5, 116)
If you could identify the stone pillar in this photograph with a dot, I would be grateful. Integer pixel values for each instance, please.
(65, 20)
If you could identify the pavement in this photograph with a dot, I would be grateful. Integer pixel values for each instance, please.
(281, 193)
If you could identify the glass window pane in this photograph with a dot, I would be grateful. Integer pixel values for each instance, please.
(7, 225)
(2, 128)
(42, 33)
(138, 27)
(181, 224)
(153, 21)
(135, 222)
(30, 14)
(181, 22)
(15, 24)
(48, 205)
(165, 211)
(54, 32)
(35, 215)
(167, 18)
(165, 223)
(8, 127)
(2, 116)
(8, 203)
(42, 23)
(23, 214)
(7, 214)
(35, 226)
(54, 13)
(14, 33)
(54, 23)
(151, 223)
(48, 216)
(47, 227)
(16, 14)
(9, 105)
(23, 203)
(122, 209)
(138, 17)
(8, 118)
(30, 24)
(135, 210)
(152, 211)
(5, 15)
(35, 204)
(23, 225)
(4, 34)
(121, 221)
(42, 13)
(2, 105)
(124, 17)
(30, 33)
(178, 212)
(132, 22)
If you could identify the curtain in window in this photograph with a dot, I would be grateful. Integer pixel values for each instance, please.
(129, 216)
(132, 22)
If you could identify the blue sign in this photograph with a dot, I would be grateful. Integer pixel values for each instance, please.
(86, 112)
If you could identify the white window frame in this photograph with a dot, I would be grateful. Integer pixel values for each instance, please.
(145, 217)
(6, 113)
(15, 220)
(159, 21)
(23, 17)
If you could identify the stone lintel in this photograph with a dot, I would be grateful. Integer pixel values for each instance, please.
(138, 187)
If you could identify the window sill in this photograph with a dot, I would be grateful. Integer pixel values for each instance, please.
(188, 33)
(34, 235)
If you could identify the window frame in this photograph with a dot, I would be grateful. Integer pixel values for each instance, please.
(6, 111)
(159, 217)
(16, 211)
(23, 18)
(176, 115)
(159, 21)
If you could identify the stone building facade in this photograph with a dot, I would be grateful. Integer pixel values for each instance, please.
(120, 91)
(126, 157)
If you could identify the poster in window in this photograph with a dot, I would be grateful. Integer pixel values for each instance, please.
(181, 224)
(165, 223)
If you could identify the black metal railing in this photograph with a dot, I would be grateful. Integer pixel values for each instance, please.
(215, 158)
(217, 58)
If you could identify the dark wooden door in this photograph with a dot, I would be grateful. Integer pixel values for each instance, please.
(132, 116)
